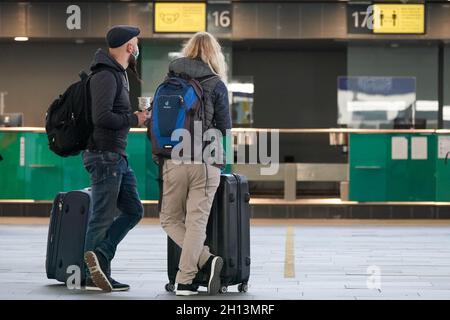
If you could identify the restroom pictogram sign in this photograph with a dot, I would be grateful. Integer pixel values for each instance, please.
(399, 18)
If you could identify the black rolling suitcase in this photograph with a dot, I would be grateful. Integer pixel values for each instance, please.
(66, 234)
(228, 236)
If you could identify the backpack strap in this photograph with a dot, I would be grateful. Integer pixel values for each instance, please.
(207, 78)
(187, 77)
(201, 81)
(116, 76)
(160, 181)
(84, 75)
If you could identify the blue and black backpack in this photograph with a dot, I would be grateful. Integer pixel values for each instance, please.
(177, 104)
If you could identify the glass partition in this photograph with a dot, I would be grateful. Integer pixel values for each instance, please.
(389, 85)
(376, 102)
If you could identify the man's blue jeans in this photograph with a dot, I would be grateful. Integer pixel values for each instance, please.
(116, 204)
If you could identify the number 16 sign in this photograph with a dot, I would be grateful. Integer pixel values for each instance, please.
(219, 18)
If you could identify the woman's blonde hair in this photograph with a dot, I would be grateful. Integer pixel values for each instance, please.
(203, 45)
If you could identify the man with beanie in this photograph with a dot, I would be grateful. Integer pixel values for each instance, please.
(115, 200)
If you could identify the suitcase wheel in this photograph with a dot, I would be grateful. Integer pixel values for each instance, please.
(223, 289)
(170, 287)
(243, 287)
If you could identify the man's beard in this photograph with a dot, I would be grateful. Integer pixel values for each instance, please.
(132, 65)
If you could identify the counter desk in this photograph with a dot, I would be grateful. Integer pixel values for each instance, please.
(384, 165)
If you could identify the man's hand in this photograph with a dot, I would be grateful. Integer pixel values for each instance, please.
(142, 116)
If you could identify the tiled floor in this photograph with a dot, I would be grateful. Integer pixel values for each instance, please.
(330, 262)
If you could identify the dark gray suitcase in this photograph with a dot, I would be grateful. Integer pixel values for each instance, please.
(228, 235)
(66, 233)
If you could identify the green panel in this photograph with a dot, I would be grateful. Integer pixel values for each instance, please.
(397, 173)
(136, 150)
(421, 178)
(229, 154)
(146, 171)
(43, 174)
(44, 170)
(152, 174)
(442, 177)
(412, 179)
(375, 176)
(367, 162)
(12, 173)
(75, 176)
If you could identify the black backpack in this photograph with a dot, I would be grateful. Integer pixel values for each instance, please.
(68, 121)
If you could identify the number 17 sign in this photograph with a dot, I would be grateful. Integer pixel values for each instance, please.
(359, 18)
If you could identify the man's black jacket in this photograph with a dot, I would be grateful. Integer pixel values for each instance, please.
(111, 111)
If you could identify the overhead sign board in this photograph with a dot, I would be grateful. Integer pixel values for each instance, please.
(220, 18)
(179, 17)
(386, 18)
(399, 18)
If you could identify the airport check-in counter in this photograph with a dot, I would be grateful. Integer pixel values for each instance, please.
(399, 165)
(29, 170)
(395, 165)
(384, 165)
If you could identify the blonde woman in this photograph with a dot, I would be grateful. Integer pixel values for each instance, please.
(189, 188)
